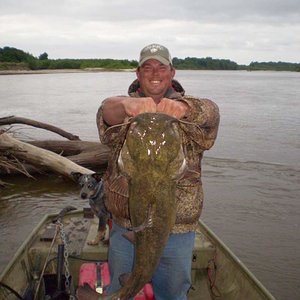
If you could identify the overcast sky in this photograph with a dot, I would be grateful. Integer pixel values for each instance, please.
(239, 30)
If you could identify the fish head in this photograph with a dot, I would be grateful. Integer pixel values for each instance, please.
(153, 144)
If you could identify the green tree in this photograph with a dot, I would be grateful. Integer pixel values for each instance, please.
(43, 56)
(10, 54)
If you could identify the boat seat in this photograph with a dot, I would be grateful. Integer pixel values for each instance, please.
(202, 253)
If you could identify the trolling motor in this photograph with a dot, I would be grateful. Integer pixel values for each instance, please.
(60, 292)
(54, 284)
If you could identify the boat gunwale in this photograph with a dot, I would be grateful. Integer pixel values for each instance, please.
(234, 259)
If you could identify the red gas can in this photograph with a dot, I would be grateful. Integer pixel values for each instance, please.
(97, 276)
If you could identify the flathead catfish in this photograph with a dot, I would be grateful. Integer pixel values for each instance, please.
(152, 159)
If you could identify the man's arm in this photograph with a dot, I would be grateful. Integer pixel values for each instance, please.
(205, 116)
(115, 109)
(177, 109)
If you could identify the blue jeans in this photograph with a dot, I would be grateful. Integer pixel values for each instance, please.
(171, 279)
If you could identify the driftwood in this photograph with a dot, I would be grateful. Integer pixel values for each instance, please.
(88, 154)
(40, 157)
(58, 156)
(18, 120)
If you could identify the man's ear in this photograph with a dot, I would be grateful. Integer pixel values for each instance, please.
(137, 72)
(173, 71)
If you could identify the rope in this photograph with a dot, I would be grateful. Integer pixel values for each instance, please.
(212, 276)
(128, 121)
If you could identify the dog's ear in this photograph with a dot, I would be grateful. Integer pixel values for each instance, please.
(76, 175)
(97, 176)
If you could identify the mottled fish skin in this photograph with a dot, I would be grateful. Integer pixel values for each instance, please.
(152, 159)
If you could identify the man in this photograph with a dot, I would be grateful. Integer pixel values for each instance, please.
(155, 90)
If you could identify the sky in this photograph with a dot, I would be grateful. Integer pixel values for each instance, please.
(240, 30)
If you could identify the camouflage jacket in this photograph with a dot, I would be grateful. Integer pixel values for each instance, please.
(198, 131)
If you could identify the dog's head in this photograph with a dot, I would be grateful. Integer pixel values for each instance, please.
(88, 183)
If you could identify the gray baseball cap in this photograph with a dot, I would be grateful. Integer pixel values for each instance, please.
(155, 51)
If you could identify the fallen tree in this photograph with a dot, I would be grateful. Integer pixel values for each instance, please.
(62, 157)
(40, 157)
(88, 154)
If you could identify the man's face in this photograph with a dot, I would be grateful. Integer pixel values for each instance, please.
(155, 78)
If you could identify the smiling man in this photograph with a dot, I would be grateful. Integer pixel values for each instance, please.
(152, 90)
(156, 90)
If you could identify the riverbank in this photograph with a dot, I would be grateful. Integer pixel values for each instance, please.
(96, 70)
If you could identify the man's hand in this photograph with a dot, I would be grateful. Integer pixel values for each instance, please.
(136, 106)
(115, 109)
(176, 109)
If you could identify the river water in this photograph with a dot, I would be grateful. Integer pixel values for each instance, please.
(251, 177)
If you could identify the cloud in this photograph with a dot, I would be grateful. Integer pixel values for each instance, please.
(156, 9)
(235, 29)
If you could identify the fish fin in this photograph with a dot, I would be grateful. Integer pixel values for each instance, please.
(120, 186)
(124, 278)
(148, 221)
(130, 236)
(116, 196)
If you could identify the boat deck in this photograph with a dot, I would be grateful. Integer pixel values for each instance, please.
(216, 272)
(80, 230)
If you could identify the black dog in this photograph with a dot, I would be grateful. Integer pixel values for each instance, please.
(92, 188)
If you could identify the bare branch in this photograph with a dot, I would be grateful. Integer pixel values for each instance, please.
(19, 120)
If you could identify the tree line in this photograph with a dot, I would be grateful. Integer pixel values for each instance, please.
(208, 63)
(275, 66)
(13, 58)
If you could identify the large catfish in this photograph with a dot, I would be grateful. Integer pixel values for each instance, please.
(152, 159)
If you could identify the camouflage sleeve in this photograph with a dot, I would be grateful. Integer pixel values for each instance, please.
(202, 122)
(109, 135)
